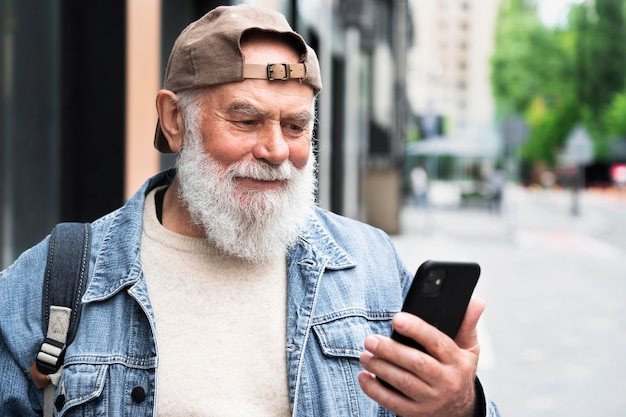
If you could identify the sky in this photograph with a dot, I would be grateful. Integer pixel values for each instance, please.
(554, 12)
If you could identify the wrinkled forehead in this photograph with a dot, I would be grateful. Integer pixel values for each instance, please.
(267, 48)
(287, 39)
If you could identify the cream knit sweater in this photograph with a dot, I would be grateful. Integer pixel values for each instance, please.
(220, 324)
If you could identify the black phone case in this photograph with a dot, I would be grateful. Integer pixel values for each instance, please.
(442, 305)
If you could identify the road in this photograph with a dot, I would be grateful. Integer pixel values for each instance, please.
(553, 336)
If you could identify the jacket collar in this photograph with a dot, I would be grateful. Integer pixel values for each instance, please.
(117, 263)
(318, 238)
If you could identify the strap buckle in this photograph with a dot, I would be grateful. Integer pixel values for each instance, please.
(280, 72)
(50, 357)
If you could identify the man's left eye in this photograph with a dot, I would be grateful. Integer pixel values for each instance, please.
(295, 128)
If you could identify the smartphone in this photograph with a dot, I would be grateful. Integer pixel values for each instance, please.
(439, 294)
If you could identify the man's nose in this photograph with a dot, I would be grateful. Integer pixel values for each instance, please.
(271, 145)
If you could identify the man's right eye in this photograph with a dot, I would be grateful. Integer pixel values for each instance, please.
(245, 122)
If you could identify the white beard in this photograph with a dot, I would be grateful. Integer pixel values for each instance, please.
(250, 224)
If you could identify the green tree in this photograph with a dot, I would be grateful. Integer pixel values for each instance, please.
(600, 30)
(549, 129)
(529, 61)
(533, 75)
(555, 77)
(614, 117)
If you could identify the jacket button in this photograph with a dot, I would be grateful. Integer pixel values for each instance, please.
(59, 402)
(138, 394)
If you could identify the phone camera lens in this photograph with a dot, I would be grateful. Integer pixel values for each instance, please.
(433, 282)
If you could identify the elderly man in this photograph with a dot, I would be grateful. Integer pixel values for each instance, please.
(219, 288)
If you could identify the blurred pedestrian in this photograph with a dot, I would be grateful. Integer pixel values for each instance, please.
(419, 186)
(496, 183)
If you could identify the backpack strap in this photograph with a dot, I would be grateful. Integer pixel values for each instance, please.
(65, 281)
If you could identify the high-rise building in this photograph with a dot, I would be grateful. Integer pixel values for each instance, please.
(449, 68)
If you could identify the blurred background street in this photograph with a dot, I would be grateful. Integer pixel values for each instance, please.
(554, 333)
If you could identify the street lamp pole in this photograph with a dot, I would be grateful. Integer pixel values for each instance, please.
(575, 210)
(579, 152)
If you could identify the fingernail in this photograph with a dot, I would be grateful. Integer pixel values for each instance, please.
(365, 357)
(364, 377)
(400, 321)
(371, 343)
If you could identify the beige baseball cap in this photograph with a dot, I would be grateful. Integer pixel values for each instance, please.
(207, 52)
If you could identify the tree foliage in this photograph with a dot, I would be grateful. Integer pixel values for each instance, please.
(550, 128)
(600, 31)
(528, 61)
(614, 117)
(556, 77)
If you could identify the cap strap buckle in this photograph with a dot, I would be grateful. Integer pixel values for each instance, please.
(278, 72)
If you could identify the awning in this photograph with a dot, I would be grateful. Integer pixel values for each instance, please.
(477, 144)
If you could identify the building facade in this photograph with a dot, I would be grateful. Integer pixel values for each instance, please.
(449, 66)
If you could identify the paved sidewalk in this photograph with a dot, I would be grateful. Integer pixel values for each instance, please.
(522, 210)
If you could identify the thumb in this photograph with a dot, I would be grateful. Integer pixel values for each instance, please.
(467, 337)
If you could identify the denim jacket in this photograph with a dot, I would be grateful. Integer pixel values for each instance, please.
(338, 294)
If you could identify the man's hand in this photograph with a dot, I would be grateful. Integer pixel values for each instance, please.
(439, 384)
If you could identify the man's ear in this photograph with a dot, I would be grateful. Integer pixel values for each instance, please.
(170, 119)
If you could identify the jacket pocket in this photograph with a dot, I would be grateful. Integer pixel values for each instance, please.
(79, 384)
(343, 334)
(333, 375)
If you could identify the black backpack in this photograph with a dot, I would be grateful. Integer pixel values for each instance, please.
(65, 281)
